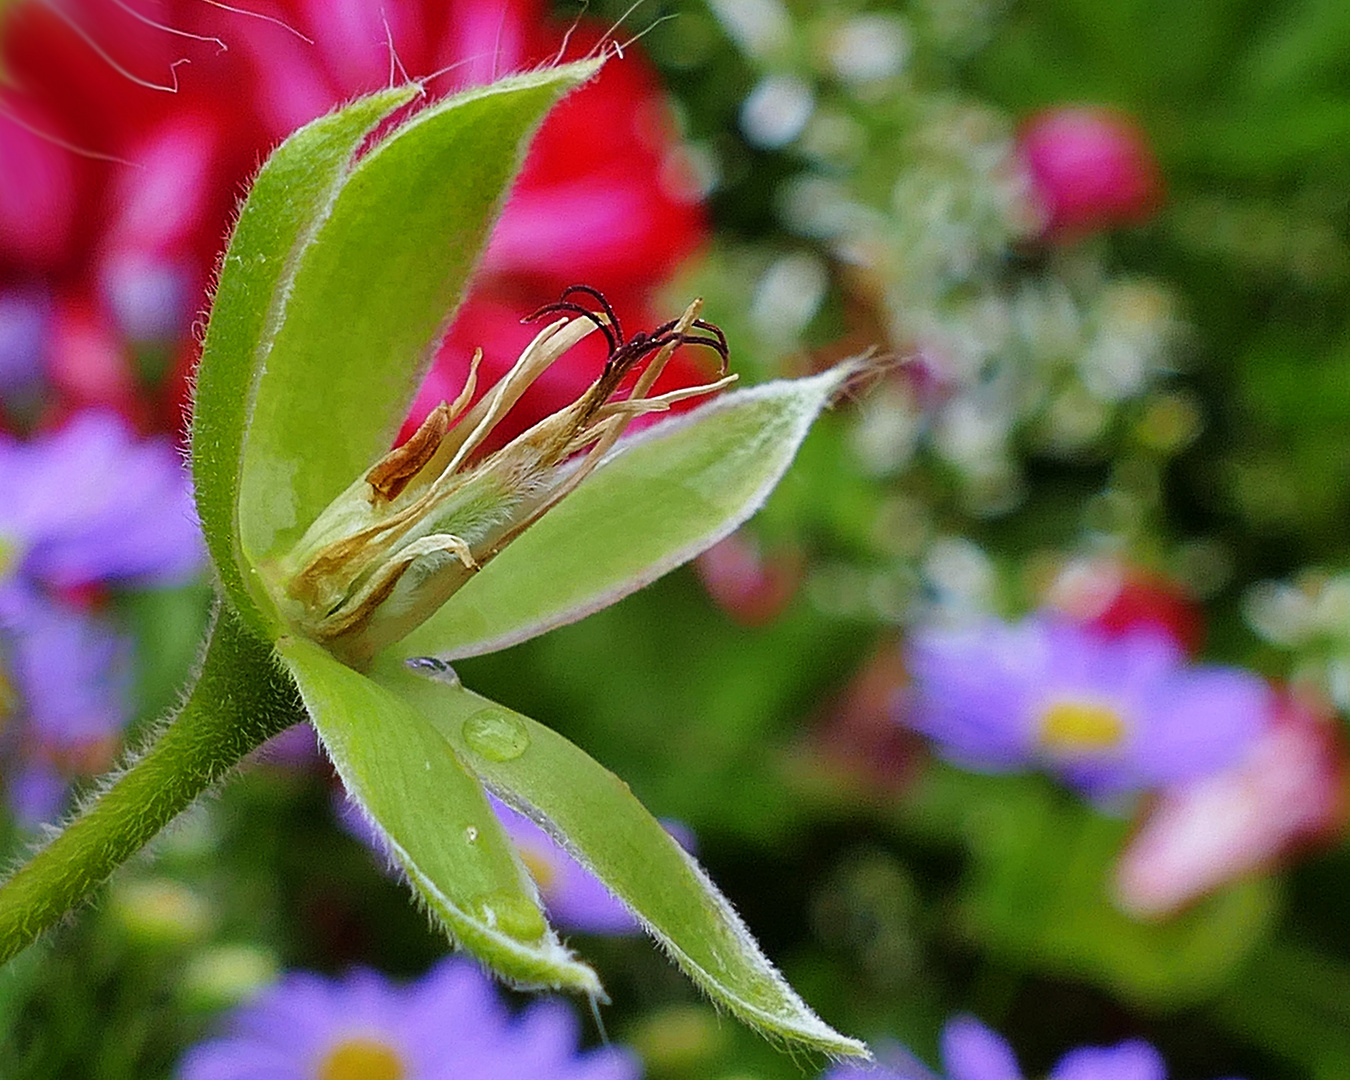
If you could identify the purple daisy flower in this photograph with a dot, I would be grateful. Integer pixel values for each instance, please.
(81, 508)
(92, 504)
(1110, 715)
(451, 1023)
(971, 1051)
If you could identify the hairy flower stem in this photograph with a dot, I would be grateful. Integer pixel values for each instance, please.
(224, 717)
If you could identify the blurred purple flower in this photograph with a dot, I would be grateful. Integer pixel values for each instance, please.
(91, 504)
(24, 315)
(574, 898)
(81, 508)
(448, 1024)
(971, 1051)
(1110, 715)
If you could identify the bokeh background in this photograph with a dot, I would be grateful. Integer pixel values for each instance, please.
(1108, 244)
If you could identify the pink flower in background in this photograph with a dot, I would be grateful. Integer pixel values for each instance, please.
(1288, 791)
(1092, 170)
(752, 587)
(116, 195)
(857, 743)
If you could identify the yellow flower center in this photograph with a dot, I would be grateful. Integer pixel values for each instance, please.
(538, 864)
(9, 698)
(1080, 727)
(9, 557)
(361, 1059)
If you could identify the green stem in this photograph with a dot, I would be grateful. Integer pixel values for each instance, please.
(241, 698)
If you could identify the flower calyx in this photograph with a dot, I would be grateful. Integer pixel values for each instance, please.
(428, 515)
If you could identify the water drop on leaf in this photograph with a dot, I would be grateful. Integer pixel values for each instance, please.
(434, 668)
(496, 735)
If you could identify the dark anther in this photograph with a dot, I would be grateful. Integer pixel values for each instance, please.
(623, 354)
(599, 297)
(609, 325)
(719, 346)
(640, 345)
(722, 348)
(577, 309)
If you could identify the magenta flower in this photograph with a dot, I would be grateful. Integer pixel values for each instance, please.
(971, 1051)
(1109, 715)
(81, 509)
(1091, 168)
(752, 587)
(115, 196)
(448, 1025)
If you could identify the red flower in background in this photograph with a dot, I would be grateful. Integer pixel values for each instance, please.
(1119, 598)
(116, 193)
(751, 587)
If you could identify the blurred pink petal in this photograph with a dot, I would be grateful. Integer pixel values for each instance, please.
(139, 236)
(1288, 790)
(87, 361)
(159, 205)
(750, 586)
(37, 190)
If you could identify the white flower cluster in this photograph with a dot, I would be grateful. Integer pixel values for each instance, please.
(1309, 617)
(913, 201)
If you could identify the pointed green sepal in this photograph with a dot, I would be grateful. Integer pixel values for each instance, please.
(660, 498)
(290, 197)
(593, 814)
(435, 821)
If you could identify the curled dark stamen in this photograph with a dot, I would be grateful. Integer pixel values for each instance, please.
(624, 354)
(725, 350)
(599, 297)
(719, 346)
(640, 345)
(577, 309)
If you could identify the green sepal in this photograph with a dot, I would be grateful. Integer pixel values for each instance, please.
(292, 193)
(595, 815)
(373, 294)
(660, 498)
(435, 821)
